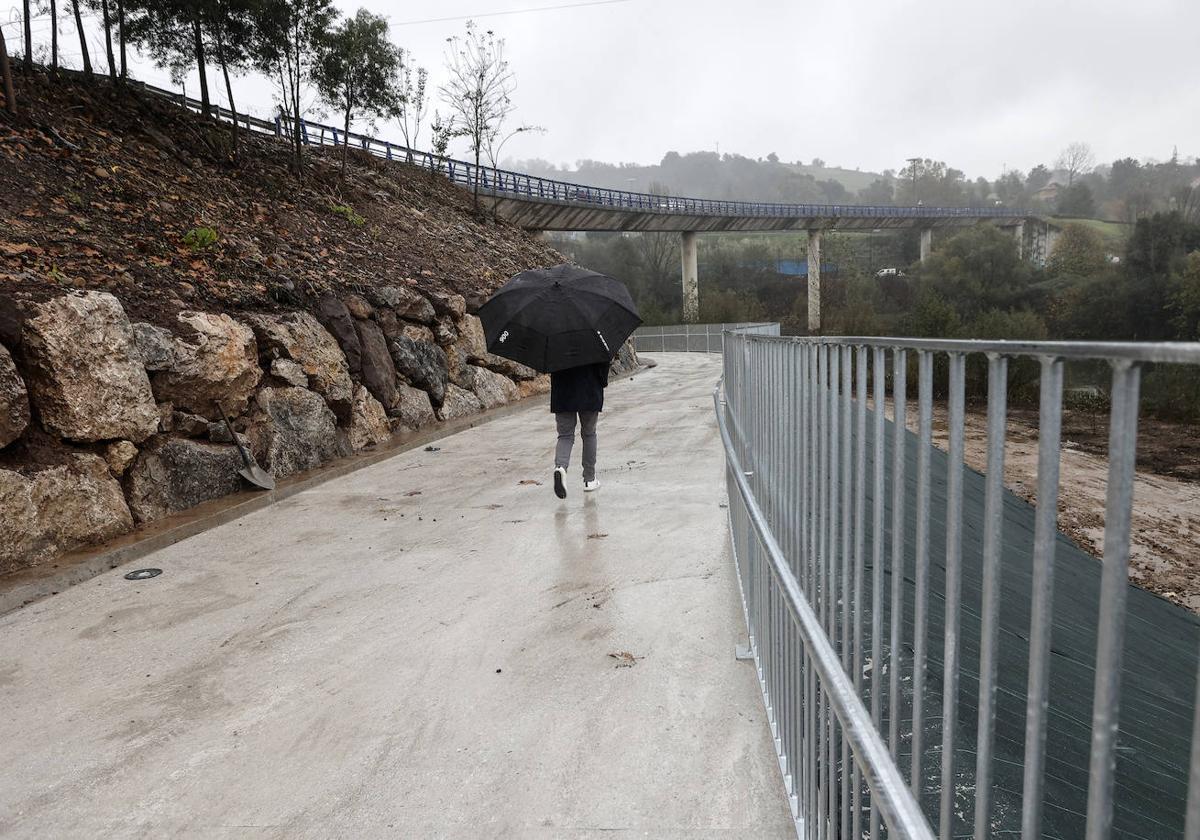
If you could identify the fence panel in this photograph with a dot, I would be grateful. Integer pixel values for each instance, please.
(693, 338)
(923, 674)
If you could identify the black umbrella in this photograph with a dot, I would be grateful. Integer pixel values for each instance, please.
(556, 318)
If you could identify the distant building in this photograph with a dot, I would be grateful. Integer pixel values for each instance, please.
(1049, 193)
(789, 268)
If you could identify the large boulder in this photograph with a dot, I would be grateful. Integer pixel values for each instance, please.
(413, 409)
(378, 369)
(155, 345)
(300, 337)
(459, 403)
(626, 360)
(216, 359)
(448, 304)
(358, 307)
(58, 509)
(459, 371)
(511, 369)
(172, 474)
(368, 421)
(119, 456)
(471, 338)
(444, 332)
(406, 302)
(392, 326)
(473, 342)
(418, 332)
(85, 374)
(14, 401)
(295, 429)
(21, 541)
(335, 316)
(289, 372)
(423, 365)
(493, 389)
(534, 387)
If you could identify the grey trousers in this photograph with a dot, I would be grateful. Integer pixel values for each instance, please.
(566, 440)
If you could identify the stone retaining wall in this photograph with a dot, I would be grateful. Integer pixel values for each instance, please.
(106, 424)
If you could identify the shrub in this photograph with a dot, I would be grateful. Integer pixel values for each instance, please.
(1172, 392)
(200, 239)
(347, 213)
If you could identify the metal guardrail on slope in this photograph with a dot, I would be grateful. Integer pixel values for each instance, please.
(693, 338)
(816, 533)
(502, 182)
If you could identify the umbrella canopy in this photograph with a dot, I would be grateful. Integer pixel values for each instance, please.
(556, 318)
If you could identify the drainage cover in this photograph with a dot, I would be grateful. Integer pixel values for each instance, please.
(143, 574)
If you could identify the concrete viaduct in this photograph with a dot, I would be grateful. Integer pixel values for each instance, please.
(543, 204)
(539, 204)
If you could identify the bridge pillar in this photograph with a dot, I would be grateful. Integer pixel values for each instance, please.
(1019, 233)
(926, 243)
(691, 279)
(814, 281)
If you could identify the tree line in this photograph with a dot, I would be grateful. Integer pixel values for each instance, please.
(302, 47)
(1073, 185)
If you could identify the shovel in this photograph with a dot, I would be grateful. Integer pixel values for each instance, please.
(252, 472)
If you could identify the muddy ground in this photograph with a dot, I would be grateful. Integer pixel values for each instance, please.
(1165, 549)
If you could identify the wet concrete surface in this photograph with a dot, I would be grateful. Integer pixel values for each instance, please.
(433, 646)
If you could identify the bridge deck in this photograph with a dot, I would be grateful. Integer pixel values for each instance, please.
(358, 659)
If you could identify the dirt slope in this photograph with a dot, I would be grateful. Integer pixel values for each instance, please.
(99, 189)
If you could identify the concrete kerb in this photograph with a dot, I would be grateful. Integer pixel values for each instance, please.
(20, 589)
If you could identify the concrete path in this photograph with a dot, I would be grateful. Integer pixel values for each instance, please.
(431, 647)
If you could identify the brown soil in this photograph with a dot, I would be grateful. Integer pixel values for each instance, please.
(100, 186)
(1165, 545)
(1164, 448)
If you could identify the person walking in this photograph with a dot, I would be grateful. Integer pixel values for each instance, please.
(568, 322)
(577, 397)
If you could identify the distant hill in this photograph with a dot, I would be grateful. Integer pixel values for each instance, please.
(852, 179)
(727, 177)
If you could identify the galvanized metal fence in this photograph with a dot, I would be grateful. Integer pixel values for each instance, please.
(693, 338)
(867, 557)
(495, 181)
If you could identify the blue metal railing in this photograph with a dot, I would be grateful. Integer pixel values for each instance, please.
(501, 182)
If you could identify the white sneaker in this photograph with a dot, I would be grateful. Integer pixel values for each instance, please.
(560, 482)
(591, 486)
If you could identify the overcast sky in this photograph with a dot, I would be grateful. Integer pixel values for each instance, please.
(980, 85)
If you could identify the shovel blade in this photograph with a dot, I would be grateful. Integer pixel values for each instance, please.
(257, 476)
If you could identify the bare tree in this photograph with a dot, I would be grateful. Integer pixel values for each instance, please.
(479, 93)
(287, 44)
(26, 10)
(83, 47)
(442, 132)
(10, 98)
(122, 39)
(414, 103)
(1075, 160)
(53, 37)
(112, 62)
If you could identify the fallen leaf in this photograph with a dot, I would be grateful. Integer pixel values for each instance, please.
(13, 249)
(597, 536)
(625, 659)
(413, 493)
(530, 481)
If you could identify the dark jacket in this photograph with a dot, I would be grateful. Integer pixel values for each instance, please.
(579, 388)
